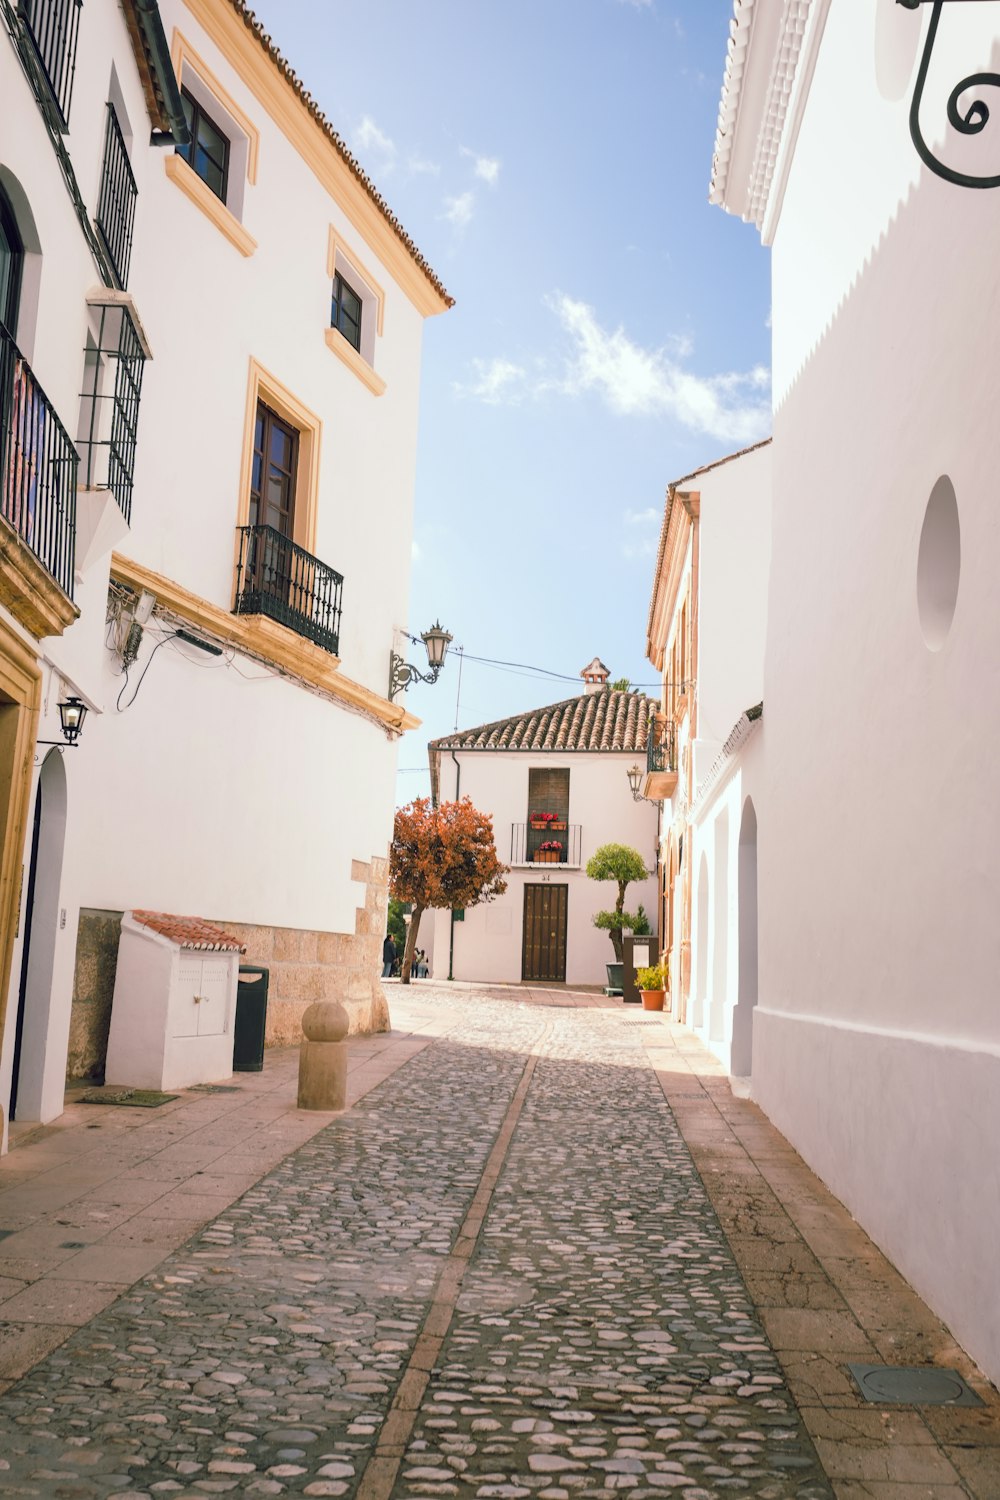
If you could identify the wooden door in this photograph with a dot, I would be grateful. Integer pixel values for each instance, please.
(544, 946)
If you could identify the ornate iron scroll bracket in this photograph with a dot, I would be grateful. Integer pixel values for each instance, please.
(402, 673)
(970, 120)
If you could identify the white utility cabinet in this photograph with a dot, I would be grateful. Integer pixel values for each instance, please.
(172, 1018)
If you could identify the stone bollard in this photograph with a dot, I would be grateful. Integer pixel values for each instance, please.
(323, 1057)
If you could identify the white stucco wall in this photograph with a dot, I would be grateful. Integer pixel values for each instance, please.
(877, 1043)
(225, 789)
(488, 943)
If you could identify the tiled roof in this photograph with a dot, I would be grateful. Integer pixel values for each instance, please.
(189, 932)
(288, 73)
(604, 720)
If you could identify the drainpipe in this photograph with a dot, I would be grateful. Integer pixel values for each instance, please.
(451, 943)
(153, 34)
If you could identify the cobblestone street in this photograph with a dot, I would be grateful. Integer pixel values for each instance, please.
(498, 1275)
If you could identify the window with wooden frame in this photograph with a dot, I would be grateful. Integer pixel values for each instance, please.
(279, 471)
(357, 312)
(219, 164)
(207, 153)
(345, 313)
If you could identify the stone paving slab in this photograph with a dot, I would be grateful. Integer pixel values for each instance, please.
(510, 1271)
(600, 1335)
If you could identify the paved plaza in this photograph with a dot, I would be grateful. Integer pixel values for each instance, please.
(545, 1252)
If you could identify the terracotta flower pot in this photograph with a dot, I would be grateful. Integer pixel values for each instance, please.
(653, 999)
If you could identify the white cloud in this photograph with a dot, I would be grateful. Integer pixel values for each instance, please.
(638, 4)
(498, 382)
(415, 551)
(419, 166)
(642, 517)
(631, 380)
(370, 140)
(486, 167)
(459, 211)
(647, 547)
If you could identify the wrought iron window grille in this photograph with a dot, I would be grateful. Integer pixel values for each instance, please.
(967, 119)
(109, 403)
(53, 28)
(557, 844)
(38, 467)
(277, 578)
(116, 205)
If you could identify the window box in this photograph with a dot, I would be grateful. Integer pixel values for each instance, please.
(547, 857)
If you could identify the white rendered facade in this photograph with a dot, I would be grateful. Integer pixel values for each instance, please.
(876, 1042)
(253, 787)
(488, 944)
(706, 633)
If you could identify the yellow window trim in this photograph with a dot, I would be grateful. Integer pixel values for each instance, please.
(263, 386)
(237, 43)
(336, 342)
(201, 194)
(20, 692)
(265, 639)
(337, 242)
(181, 52)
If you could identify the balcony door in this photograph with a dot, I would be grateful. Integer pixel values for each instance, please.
(544, 945)
(272, 481)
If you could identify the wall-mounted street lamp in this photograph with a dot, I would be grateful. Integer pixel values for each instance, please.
(635, 775)
(969, 119)
(401, 673)
(71, 716)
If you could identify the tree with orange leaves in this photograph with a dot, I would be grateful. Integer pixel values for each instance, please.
(442, 857)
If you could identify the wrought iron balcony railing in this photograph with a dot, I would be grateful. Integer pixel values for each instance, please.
(661, 748)
(274, 577)
(38, 465)
(116, 205)
(528, 840)
(53, 26)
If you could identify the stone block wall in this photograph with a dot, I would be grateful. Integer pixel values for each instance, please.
(304, 966)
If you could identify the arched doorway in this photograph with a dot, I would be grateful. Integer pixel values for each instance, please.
(720, 931)
(41, 925)
(701, 948)
(741, 1064)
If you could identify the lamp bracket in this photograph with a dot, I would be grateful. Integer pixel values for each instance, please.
(402, 673)
(970, 119)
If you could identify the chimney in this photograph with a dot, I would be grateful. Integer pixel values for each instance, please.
(595, 676)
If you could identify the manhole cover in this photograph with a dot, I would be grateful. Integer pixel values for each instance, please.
(917, 1386)
(137, 1098)
(214, 1088)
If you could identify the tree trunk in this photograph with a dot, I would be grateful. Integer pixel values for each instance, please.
(615, 934)
(411, 945)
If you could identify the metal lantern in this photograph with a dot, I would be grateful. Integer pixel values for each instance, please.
(634, 774)
(437, 642)
(71, 716)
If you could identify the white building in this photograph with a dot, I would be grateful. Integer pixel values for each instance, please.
(706, 632)
(567, 764)
(243, 532)
(876, 1043)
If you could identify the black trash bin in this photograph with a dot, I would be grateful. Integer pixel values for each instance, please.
(251, 1019)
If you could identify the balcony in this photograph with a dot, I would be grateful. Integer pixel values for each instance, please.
(276, 578)
(53, 27)
(38, 464)
(528, 841)
(116, 206)
(661, 761)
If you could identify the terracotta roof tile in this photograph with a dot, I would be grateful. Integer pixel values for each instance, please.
(288, 73)
(607, 720)
(189, 932)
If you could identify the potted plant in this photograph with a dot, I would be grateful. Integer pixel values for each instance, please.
(549, 853)
(542, 819)
(653, 983)
(623, 865)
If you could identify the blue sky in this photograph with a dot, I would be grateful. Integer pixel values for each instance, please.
(551, 159)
